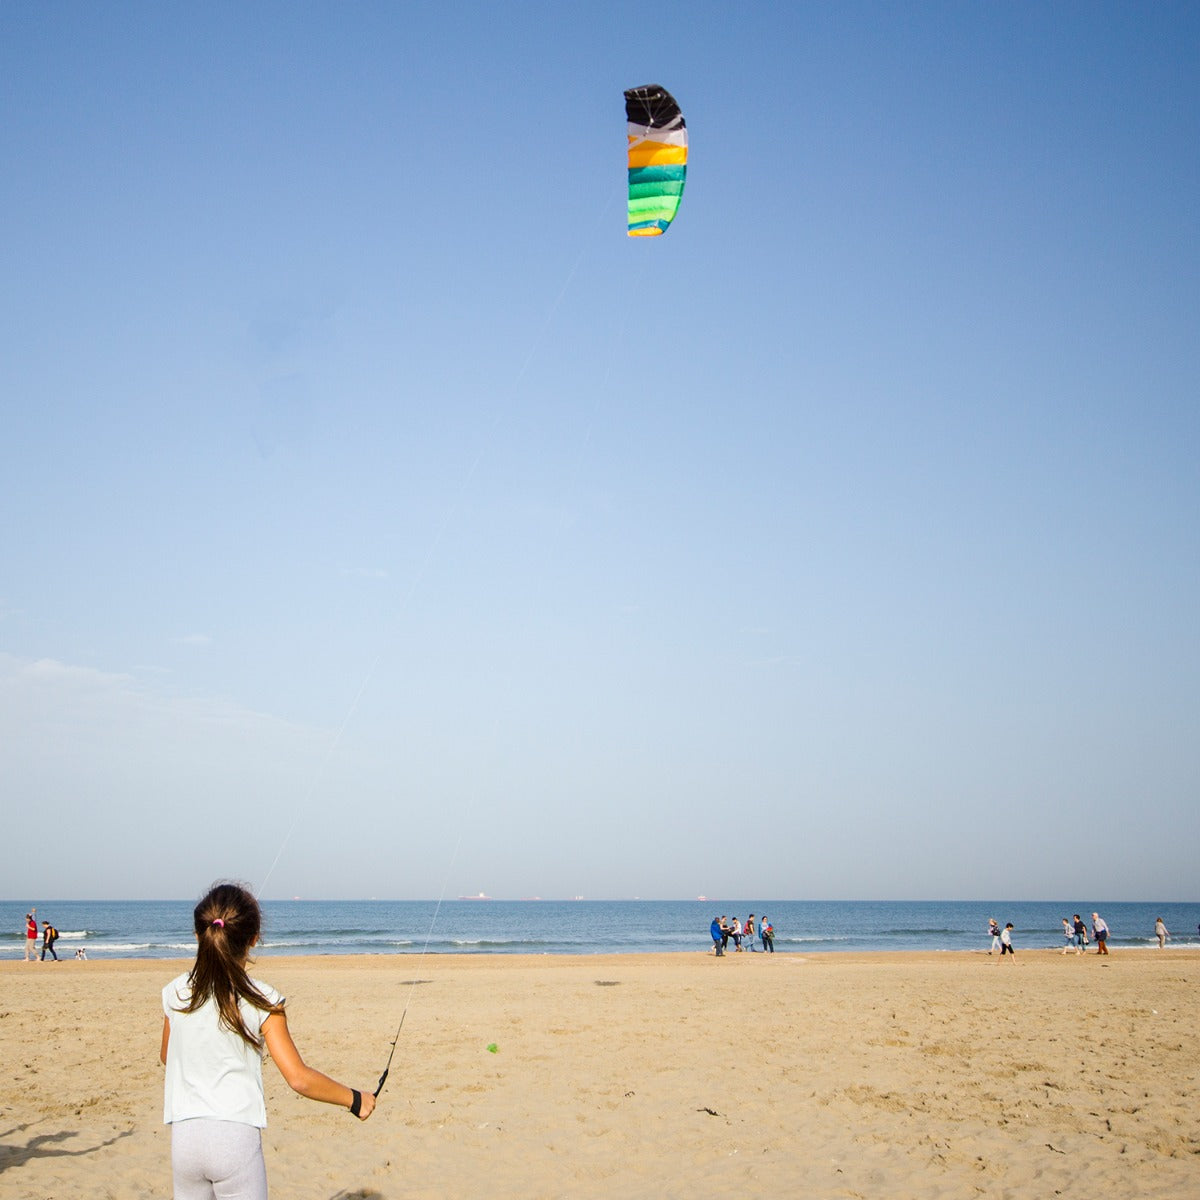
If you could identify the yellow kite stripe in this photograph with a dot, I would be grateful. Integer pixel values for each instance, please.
(652, 154)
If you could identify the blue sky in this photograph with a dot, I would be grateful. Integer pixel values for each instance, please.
(382, 521)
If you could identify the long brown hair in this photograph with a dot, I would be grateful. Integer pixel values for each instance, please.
(227, 921)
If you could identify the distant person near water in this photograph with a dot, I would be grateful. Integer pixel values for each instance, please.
(1100, 933)
(1081, 937)
(766, 933)
(748, 932)
(994, 934)
(724, 923)
(1161, 932)
(1068, 936)
(1006, 946)
(216, 1021)
(49, 937)
(717, 937)
(31, 936)
(735, 932)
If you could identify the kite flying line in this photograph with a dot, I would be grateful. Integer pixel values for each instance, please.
(522, 634)
(657, 167)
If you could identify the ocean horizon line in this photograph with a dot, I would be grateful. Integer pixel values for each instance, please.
(163, 928)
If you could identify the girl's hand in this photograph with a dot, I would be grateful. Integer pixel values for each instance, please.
(368, 1106)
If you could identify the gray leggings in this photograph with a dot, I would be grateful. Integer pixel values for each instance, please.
(217, 1160)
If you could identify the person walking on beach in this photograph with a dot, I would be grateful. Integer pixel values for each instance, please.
(1081, 937)
(1161, 932)
(1068, 936)
(766, 931)
(724, 933)
(49, 937)
(31, 936)
(736, 933)
(1100, 933)
(216, 1020)
(1006, 946)
(715, 930)
(748, 932)
(994, 934)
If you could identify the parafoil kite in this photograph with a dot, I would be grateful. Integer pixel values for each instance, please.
(657, 159)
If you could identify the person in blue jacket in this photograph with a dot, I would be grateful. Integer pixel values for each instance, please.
(717, 937)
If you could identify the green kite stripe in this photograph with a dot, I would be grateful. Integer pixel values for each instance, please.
(667, 173)
(639, 191)
(645, 210)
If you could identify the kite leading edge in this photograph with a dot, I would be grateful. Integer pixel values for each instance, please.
(657, 158)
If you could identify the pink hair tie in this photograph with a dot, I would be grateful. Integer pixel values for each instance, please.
(218, 921)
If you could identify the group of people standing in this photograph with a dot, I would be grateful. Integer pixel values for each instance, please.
(49, 937)
(723, 930)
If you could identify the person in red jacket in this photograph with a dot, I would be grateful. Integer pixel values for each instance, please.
(31, 936)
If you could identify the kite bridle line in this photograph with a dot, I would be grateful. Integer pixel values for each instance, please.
(418, 578)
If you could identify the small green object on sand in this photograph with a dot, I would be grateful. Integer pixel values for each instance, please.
(492, 1048)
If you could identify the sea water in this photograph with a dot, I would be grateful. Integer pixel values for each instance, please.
(163, 928)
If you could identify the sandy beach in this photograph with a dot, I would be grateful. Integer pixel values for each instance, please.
(674, 1075)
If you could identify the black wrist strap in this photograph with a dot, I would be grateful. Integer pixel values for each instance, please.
(356, 1103)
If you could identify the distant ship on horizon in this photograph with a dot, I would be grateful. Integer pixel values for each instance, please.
(481, 896)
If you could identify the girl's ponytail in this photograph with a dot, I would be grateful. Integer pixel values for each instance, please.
(227, 922)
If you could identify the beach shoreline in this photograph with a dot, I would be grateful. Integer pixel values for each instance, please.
(653, 1074)
(380, 960)
(163, 929)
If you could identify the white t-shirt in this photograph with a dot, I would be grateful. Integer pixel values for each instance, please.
(211, 1071)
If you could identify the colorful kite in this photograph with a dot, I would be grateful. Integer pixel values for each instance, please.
(657, 159)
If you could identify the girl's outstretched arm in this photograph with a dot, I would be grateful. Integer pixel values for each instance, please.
(302, 1078)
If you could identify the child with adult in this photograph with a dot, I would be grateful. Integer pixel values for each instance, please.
(216, 1021)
